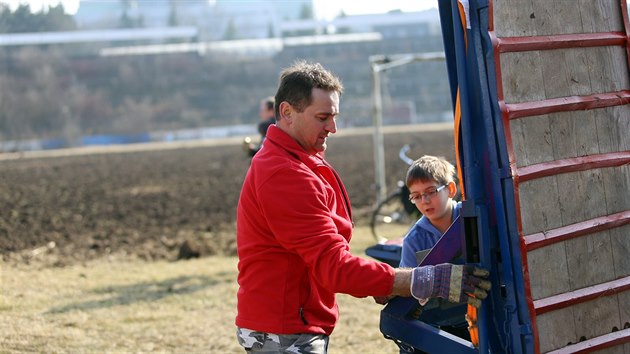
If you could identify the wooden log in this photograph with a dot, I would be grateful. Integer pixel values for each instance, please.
(597, 317)
(540, 205)
(548, 271)
(537, 75)
(531, 140)
(513, 18)
(589, 260)
(613, 125)
(620, 244)
(556, 329)
(605, 128)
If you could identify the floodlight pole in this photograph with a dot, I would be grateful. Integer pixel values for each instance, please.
(379, 153)
(381, 63)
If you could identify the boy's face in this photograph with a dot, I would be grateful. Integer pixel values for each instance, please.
(433, 199)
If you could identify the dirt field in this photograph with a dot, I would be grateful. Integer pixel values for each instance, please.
(154, 203)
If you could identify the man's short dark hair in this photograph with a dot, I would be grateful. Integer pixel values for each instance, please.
(297, 83)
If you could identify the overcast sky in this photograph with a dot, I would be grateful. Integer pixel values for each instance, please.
(327, 9)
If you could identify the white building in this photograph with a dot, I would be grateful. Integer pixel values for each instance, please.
(215, 20)
(249, 19)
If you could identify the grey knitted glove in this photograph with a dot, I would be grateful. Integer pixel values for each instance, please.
(456, 283)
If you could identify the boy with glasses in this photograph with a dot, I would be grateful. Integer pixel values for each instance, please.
(430, 180)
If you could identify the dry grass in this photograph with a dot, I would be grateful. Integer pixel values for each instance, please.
(114, 306)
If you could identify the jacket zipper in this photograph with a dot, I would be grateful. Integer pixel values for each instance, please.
(342, 189)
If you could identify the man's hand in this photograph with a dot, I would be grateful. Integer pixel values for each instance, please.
(456, 283)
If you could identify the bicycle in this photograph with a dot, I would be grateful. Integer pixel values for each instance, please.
(392, 217)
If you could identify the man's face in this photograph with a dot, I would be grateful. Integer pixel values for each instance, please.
(312, 127)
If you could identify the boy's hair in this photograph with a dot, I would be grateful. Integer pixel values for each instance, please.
(429, 168)
(297, 83)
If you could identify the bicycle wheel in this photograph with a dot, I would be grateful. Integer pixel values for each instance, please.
(390, 219)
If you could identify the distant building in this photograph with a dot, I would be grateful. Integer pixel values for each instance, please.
(259, 19)
(390, 25)
(218, 20)
(99, 14)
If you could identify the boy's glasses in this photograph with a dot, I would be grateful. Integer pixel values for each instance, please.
(426, 195)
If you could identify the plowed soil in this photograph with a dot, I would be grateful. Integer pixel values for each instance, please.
(164, 201)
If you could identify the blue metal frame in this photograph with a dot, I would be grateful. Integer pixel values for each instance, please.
(504, 321)
(396, 325)
(401, 321)
(489, 209)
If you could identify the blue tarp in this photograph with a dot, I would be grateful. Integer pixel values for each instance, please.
(114, 139)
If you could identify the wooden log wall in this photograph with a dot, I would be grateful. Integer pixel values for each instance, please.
(564, 89)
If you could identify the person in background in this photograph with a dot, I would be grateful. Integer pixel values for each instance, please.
(267, 118)
(294, 226)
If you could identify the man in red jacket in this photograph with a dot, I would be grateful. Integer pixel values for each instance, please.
(294, 224)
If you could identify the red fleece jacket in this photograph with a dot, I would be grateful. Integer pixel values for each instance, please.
(294, 224)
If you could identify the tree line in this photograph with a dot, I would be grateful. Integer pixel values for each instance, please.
(48, 94)
(22, 19)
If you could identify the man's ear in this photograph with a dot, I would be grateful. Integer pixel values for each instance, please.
(452, 189)
(285, 110)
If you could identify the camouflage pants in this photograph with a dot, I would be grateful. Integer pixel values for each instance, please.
(260, 342)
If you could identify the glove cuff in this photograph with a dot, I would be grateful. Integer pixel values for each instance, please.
(422, 283)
